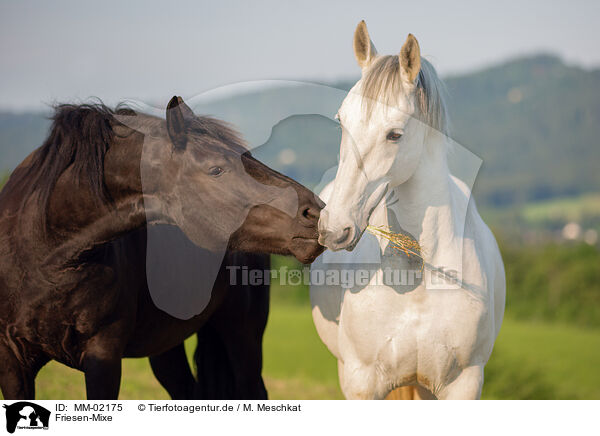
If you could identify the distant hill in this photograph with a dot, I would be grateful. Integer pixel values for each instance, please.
(19, 135)
(534, 121)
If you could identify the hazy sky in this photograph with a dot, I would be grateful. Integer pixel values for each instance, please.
(150, 50)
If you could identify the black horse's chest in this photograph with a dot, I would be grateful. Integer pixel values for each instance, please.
(156, 331)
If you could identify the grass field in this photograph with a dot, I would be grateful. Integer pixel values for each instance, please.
(567, 209)
(547, 216)
(531, 360)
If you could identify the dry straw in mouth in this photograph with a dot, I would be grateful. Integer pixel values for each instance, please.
(400, 241)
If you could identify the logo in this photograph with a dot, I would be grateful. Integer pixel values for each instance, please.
(26, 415)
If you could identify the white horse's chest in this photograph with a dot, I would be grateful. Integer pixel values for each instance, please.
(399, 330)
(416, 332)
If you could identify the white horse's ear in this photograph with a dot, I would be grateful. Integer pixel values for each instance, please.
(364, 50)
(410, 59)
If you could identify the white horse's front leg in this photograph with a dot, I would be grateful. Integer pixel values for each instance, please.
(467, 386)
(358, 382)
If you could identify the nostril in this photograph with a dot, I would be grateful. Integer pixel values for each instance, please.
(344, 236)
(310, 213)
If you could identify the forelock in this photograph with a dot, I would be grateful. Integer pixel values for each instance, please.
(382, 84)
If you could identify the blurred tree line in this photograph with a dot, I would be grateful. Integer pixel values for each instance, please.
(553, 283)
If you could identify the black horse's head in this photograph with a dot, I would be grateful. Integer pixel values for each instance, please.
(198, 175)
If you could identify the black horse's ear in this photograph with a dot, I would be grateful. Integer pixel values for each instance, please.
(178, 117)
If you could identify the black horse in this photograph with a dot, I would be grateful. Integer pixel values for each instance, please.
(76, 219)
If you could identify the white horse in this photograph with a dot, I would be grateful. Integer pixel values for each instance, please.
(436, 333)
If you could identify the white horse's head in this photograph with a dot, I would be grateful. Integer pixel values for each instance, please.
(383, 135)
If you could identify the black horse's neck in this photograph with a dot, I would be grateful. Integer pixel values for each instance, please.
(91, 222)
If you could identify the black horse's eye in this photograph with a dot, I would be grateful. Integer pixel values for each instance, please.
(393, 136)
(215, 171)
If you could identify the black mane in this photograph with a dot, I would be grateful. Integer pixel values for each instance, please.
(80, 135)
(220, 130)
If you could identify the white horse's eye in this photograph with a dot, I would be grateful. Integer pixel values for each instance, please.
(393, 136)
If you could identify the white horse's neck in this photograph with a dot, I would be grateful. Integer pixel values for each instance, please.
(426, 207)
